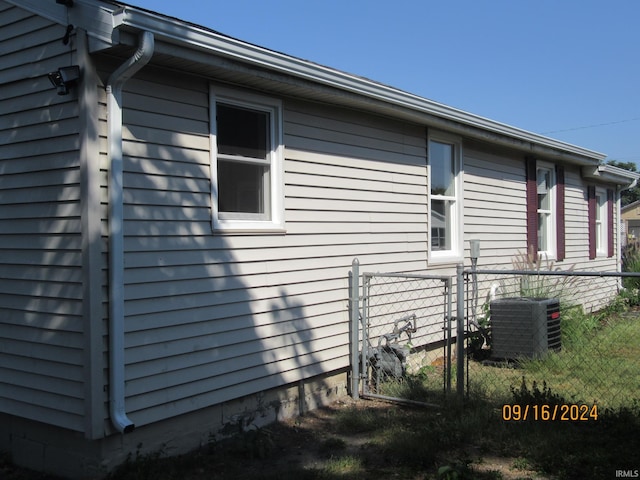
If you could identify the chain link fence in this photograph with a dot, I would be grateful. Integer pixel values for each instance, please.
(405, 346)
(569, 336)
(571, 333)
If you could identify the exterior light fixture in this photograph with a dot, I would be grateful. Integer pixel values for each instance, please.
(65, 77)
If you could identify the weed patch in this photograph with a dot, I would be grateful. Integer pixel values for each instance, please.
(398, 442)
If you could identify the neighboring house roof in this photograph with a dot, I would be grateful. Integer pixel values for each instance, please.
(630, 207)
(180, 44)
(630, 215)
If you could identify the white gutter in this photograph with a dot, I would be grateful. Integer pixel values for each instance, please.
(116, 235)
(178, 32)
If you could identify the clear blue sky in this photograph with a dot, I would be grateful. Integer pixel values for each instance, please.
(569, 69)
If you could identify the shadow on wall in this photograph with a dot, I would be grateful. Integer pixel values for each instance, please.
(41, 294)
(206, 321)
(208, 317)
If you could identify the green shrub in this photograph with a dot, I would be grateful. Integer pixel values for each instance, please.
(631, 263)
(577, 326)
(534, 396)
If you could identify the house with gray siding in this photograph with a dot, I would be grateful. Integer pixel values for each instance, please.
(178, 223)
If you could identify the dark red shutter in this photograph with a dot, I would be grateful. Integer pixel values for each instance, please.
(591, 220)
(610, 224)
(560, 243)
(532, 205)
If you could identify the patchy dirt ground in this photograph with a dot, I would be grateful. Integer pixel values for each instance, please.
(314, 446)
(311, 447)
(317, 442)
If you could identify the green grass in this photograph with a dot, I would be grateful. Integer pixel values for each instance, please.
(599, 362)
(426, 385)
(346, 466)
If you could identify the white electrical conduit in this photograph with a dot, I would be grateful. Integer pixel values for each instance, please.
(115, 83)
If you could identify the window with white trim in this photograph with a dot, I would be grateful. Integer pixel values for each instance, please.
(545, 178)
(445, 198)
(247, 192)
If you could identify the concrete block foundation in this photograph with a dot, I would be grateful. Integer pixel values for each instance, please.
(66, 453)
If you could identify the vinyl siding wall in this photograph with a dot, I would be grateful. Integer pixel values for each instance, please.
(495, 213)
(494, 204)
(213, 317)
(41, 332)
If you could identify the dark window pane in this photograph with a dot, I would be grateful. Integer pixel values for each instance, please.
(443, 172)
(241, 187)
(242, 132)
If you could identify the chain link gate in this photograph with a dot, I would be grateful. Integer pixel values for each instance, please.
(403, 337)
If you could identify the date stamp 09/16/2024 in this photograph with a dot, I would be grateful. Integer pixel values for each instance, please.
(564, 412)
(550, 413)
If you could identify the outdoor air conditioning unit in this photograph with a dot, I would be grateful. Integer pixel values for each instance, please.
(524, 327)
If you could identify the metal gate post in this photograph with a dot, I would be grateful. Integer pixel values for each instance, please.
(460, 334)
(355, 328)
(364, 372)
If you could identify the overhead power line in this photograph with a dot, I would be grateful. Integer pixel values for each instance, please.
(591, 126)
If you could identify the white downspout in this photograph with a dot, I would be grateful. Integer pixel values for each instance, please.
(115, 83)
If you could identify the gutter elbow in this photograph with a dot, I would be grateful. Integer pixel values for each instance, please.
(138, 60)
(120, 421)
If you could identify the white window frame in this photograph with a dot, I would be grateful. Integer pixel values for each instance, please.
(602, 222)
(552, 212)
(272, 221)
(455, 253)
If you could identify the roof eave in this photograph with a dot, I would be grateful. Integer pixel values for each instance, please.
(612, 175)
(115, 16)
(172, 30)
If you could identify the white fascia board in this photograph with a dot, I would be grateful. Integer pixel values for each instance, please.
(176, 31)
(612, 174)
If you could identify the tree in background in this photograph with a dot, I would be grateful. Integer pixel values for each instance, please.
(631, 195)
